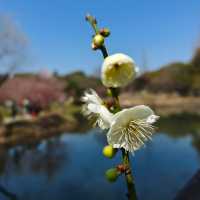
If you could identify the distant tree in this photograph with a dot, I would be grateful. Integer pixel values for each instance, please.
(78, 82)
(196, 58)
(13, 47)
(38, 90)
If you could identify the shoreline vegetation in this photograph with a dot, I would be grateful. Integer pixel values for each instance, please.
(27, 129)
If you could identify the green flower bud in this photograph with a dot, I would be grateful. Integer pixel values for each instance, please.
(112, 174)
(109, 151)
(105, 32)
(98, 40)
(94, 47)
(109, 92)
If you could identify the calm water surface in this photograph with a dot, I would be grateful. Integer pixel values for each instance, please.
(72, 166)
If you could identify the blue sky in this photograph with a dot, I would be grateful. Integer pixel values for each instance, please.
(157, 31)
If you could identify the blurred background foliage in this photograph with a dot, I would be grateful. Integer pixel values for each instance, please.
(48, 90)
(179, 77)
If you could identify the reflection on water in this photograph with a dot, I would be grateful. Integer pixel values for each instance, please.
(71, 166)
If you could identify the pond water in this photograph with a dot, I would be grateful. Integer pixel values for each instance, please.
(71, 166)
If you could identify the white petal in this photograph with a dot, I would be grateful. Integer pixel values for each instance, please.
(152, 119)
(130, 128)
(141, 112)
(106, 115)
(91, 96)
(94, 109)
(121, 75)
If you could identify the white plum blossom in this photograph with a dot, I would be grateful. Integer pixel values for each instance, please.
(131, 128)
(95, 109)
(118, 70)
(128, 129)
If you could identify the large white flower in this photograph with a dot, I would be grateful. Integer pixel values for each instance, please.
(131, 128)
(128, 129)
(95, 109)
(118, 70)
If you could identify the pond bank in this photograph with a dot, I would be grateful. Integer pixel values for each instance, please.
(163, 104)
(32, 131)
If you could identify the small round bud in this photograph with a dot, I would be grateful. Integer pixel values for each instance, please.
(105, 32)
(98, 40)
(112, 174)
(94, 47)
(109, 92)
(109, 151)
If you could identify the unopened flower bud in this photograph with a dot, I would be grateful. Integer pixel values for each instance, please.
(109, 92)
(109, 151)
(94, 47)
(105, 32)
(98, 40)
(112, 174)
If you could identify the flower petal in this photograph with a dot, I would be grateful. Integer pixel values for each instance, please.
(131, 128)
(118, 70)
(94, 109)
(140, 112)
(90, 96)
(130, 137)
(152, 119)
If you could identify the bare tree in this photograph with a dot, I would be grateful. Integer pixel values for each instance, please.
(13, 46)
